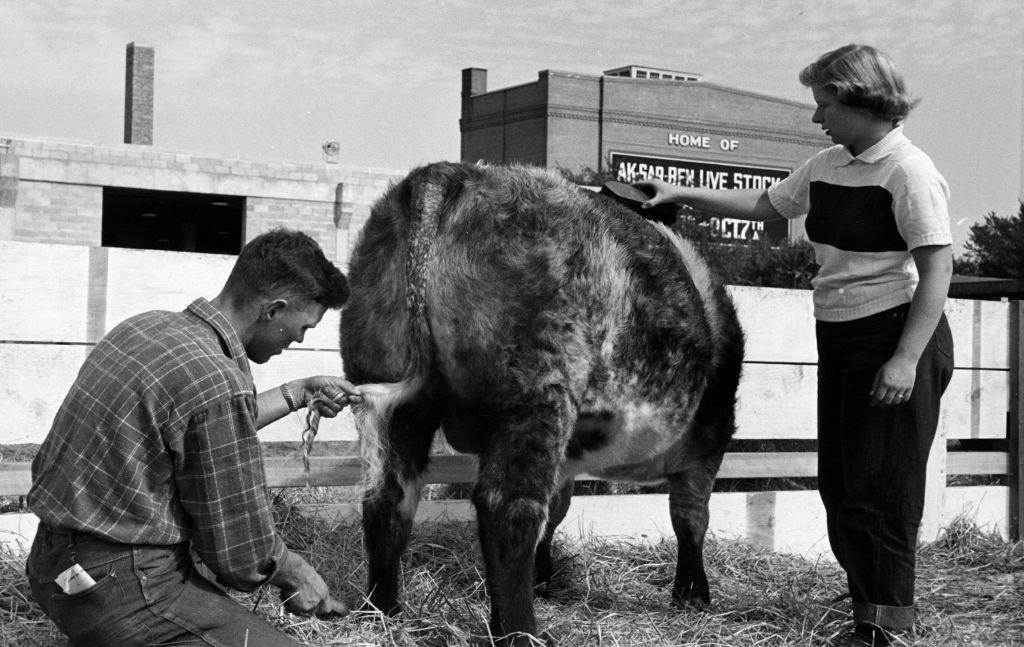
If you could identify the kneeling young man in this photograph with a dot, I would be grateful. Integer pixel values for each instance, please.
(154, 454)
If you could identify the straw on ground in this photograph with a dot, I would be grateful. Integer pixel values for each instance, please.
(609, 593)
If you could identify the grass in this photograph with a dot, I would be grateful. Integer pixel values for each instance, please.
(608, 593)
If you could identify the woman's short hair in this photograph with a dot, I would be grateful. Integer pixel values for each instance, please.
(862, 77)
(284, 261)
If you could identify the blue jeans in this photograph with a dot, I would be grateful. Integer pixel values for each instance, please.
(872, 460)
(144, 595)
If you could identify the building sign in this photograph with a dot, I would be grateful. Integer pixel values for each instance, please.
(708, 175)
(691, 140)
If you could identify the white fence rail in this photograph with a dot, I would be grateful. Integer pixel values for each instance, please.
(56, 301)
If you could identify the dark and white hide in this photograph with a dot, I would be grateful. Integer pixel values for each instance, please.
(551, 332)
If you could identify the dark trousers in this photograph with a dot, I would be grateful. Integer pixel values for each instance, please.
(144, 595)
(872, 460)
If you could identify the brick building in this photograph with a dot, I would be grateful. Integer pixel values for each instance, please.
(636, 121)
(140, 196)
(137, 195)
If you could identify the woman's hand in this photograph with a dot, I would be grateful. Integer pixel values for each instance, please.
(658, 190)
(894, 382)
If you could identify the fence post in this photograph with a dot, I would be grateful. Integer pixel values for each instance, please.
(1014, 422)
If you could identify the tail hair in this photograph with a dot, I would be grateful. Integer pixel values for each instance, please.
(372, 420)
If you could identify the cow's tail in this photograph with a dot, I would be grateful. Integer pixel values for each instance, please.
(372, 420)
(428, 187)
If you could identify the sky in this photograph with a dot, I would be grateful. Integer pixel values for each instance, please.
(273, 80)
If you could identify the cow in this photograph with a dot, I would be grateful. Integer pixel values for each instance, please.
(549, 331)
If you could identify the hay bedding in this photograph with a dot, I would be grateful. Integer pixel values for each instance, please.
(611, 593)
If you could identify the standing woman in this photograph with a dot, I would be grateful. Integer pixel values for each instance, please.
(877, 216)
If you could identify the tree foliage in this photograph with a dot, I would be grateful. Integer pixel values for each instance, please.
(764, 262)
(995, 247)
(587, 176)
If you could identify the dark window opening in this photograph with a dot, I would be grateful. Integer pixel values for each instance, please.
(173, 221)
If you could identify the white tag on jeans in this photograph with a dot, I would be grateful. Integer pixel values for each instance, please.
(74, 580)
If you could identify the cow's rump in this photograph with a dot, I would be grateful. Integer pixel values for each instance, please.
(552, 332)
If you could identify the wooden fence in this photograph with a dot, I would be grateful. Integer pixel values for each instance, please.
(56, 301)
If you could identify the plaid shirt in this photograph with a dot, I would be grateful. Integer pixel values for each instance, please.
(156, 444)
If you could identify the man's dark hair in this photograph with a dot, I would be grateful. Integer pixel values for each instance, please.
(289, 262)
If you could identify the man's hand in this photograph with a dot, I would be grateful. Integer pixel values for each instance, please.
(326, 395)
(336, 391)
(303, 591)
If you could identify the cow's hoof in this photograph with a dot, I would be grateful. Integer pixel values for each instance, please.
(551, 586)
(692, 599)
(389, 609)
(525, 640)
(550, 580)
(543, 567)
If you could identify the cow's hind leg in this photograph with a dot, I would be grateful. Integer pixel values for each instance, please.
(516, 482)
(689, 492)
(388, 512)
(691, 471)
(557, 509)
(692, 468)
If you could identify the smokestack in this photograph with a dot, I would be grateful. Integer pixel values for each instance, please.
(138, 95)
(474, 81)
